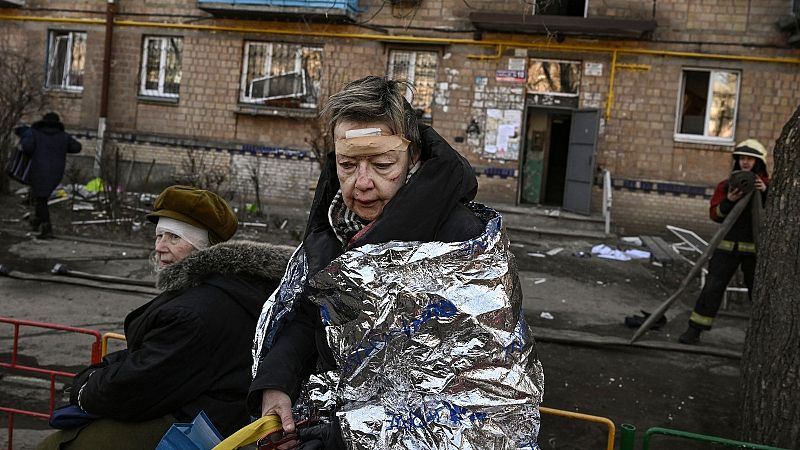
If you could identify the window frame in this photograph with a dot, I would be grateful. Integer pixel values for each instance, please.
(705, 138)
(162, 68)
(411, 77)
(576, 94)
(52, 38)
(298, 68)
(585, 11)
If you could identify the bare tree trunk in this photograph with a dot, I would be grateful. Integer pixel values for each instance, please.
(771, 359)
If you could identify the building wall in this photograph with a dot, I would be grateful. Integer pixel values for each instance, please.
(652, 171)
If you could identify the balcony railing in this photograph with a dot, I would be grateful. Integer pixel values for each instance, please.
(327, 9)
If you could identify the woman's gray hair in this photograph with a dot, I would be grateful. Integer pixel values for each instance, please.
(374, 99)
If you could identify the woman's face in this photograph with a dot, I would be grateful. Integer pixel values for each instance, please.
(369, 182)
(170, 249)
(747, 162)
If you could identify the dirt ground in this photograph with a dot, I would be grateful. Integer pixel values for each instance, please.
(567, 298)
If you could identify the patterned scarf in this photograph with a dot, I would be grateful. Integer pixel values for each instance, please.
(345, 223)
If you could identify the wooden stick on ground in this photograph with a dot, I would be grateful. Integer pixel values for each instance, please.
(4, 271)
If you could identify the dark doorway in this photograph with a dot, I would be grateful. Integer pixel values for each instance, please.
(557, 153)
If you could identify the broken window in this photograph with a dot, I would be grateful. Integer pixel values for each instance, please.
(574, 8)
(708, 104)
(280, 74)
(161, 66)
(66, 59)
(554, 77)
(419, 70)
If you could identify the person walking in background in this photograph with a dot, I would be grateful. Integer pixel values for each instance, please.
(738, 247)
(48, 144)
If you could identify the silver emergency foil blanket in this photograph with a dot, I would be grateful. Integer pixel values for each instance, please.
(432, 348)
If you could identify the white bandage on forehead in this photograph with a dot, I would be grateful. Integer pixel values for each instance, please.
(361, 132)
(369, 142)
(196, 236)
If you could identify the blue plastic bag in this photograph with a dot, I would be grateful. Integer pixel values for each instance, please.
(198, 435)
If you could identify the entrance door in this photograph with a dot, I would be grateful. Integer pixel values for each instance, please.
(557, 158)
(581, 160)
(544, 162)
(533, 159)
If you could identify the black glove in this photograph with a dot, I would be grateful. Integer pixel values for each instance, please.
(322, 436)
(83, 376)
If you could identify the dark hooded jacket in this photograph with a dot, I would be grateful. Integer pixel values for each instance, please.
(48, 144)
(430, 207)
(189, 348)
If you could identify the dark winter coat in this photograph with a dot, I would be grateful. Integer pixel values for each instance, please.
(189, 348)
(48, 145)
(430, 207)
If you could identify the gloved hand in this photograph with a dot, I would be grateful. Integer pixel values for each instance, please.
(322, 436)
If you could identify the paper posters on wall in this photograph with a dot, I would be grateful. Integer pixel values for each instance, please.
(502, 137)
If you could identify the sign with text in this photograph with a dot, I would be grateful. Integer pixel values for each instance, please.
(511, 76)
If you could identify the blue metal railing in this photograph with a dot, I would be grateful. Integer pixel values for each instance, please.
(349, 6)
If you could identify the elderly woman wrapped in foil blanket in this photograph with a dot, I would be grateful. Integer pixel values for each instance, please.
(399, 315)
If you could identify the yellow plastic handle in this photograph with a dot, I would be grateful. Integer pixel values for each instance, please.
(251, 433)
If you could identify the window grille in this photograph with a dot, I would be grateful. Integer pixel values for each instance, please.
(419, 70)
(161, 66)
(66, 60)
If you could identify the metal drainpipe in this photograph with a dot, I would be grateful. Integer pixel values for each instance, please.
(627, 437)
(101, 121)
(611, 76)
(545, 46)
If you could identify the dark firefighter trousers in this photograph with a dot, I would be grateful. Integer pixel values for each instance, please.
(721, 269)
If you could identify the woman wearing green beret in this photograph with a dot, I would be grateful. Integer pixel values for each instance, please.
(188, 350)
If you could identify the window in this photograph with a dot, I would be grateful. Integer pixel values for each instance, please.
(161, 66)
(554, 77)
(707, 105)
(66, 59)
(419, 70)
(575, 8)
(285, 75)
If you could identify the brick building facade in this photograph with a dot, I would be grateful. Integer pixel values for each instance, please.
(666, 87)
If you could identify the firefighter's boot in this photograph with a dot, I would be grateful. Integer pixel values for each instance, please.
(47, 231)
(691, 336)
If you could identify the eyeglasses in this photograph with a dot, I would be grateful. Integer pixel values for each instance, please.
(168, 238)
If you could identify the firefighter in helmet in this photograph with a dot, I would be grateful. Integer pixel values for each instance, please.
(738, 247)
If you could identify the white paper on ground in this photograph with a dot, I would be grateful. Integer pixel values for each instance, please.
(637, 254)
(606, 252)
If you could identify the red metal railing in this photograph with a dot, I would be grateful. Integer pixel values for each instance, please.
(52, 374)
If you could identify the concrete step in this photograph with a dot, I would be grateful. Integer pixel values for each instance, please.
(533, 235)
(551, 221)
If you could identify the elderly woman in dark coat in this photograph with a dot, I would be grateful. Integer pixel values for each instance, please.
(400, 313)
(48, 144)
(187, 349)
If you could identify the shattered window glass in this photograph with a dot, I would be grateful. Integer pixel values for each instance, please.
(66, 60)
(281, 74)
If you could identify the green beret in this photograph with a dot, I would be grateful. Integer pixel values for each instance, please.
(198, 207)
